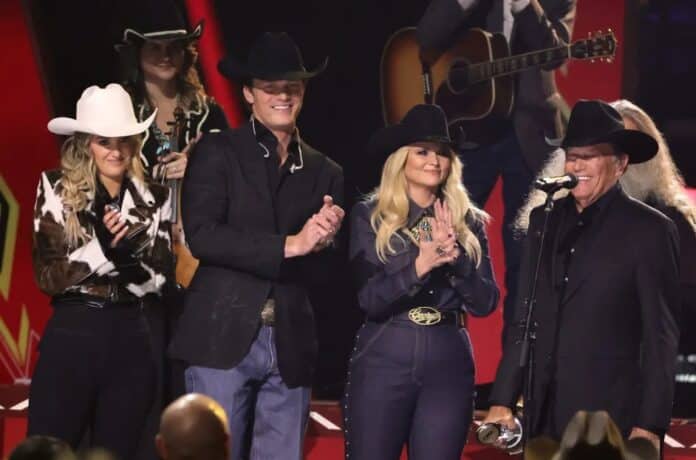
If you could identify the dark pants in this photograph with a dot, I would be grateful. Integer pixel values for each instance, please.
(409, 384)
(95, 373)
(482, 167)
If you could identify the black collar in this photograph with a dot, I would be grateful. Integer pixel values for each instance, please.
(596, 207)
(415, 213)
(264, 136)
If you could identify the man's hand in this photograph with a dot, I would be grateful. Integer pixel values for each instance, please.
(330, 217)
(502, 415)
(317, 232)
(649, 435)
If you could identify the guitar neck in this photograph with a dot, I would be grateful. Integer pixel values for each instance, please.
(483, 71)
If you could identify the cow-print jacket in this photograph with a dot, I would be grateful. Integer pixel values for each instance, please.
(60, 269)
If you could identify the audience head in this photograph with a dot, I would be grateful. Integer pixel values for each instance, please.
(193, 427)
(42, 448)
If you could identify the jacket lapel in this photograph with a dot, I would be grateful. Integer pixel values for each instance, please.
(253, 168)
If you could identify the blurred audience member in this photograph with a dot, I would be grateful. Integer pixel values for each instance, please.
(194, 427)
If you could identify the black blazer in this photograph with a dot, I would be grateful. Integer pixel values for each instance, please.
(542, 24)
(612, 339)
(230, 226)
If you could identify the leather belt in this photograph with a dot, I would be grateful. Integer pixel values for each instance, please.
(268, 313)
(430, 316)
(91, 301)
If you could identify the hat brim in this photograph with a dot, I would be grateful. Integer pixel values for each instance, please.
(131, 36)
(388, 140)
(639, 147)
(68, 126)
(234, 69)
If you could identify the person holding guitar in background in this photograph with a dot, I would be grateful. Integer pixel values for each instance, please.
(516, 147)
(158, 56)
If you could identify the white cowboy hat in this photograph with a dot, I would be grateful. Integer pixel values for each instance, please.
(105, 112)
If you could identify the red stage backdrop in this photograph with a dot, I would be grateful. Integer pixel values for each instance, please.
(28, 148)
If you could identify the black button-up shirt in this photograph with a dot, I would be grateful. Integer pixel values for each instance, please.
(574, 230)
(386, 289)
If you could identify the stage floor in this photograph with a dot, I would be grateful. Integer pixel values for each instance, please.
(324, 439)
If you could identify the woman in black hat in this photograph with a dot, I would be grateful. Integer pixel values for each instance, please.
(420, 256)
(158, 59)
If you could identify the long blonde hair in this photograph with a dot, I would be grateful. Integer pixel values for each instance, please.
(658, 178)
(390, 215)
(78, 182)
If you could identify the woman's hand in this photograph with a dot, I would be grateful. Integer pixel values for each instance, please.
(443, 229)
(434, 254)
(173, 165)
(113, 223)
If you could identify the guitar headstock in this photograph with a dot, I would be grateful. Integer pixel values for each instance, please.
(600, 46)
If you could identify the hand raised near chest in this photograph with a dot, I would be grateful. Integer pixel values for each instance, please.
(318, 232)
(442, 248)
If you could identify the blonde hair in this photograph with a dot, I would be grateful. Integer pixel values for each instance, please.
(78, 182)
(390, 215)
(659, 178)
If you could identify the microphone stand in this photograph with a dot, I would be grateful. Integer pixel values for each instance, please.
(529, 336)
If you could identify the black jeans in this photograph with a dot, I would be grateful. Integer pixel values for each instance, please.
(482, 167)
(409, 384)
(95, 374)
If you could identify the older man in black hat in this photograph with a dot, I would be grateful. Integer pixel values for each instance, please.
(260, 210)
(607, 293)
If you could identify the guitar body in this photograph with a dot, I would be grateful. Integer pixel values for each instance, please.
(473, 81)
(403, 84)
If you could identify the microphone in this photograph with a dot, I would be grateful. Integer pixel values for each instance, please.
(555, 183)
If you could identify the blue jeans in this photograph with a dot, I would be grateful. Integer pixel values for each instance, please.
(482, 167)
(267, 419)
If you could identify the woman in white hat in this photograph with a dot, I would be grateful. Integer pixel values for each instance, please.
(101, 247)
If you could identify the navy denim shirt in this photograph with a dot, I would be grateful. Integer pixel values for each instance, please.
(386, 289)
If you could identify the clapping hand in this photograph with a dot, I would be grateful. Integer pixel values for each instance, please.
(318, 232)
(443, 247)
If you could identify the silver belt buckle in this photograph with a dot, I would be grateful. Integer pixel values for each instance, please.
(268, 313)
(425, 316)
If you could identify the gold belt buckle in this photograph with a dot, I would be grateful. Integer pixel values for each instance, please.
(425, 316)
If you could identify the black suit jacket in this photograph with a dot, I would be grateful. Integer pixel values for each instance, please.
(542, 24)
(611, 342)
(232, 227)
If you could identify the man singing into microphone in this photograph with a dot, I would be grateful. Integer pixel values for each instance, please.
(606, 299)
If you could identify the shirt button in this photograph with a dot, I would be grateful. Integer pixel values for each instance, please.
(431, 292)
(572, 250)
(565, 279)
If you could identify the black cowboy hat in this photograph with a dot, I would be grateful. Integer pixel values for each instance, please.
(274, 56)
(596, 122)
(159, 20)
(423, 123)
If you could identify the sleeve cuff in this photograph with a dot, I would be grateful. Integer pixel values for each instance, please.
(93, 255)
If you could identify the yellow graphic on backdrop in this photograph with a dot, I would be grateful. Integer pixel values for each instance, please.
(9, 214)
(15, 354)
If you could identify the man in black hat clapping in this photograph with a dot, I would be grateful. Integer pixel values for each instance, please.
(607, 294)
(260, 210)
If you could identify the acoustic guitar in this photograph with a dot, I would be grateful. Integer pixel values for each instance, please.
(186, 264)
(473, 81)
